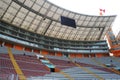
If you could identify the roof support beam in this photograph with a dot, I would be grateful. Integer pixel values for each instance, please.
(6, 9)
(47, 28)
(17, 12)
(35, 17)
(101, 33)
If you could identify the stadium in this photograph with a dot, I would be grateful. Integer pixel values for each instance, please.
(42, 41)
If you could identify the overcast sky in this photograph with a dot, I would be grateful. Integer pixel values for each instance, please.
(91, 7)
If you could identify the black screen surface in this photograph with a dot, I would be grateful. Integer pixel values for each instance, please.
(68, 22)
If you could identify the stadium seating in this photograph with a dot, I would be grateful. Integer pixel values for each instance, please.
(34, 69)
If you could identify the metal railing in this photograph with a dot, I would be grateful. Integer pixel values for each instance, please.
(8, 76)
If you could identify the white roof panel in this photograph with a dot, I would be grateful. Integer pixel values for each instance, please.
(43, 17)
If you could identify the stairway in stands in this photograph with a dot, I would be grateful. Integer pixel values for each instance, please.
(16, 66)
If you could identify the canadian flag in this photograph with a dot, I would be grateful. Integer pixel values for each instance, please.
(102, 11)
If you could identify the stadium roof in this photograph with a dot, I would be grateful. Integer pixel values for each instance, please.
(43, 17)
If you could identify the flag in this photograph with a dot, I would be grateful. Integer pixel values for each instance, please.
(101, 11)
